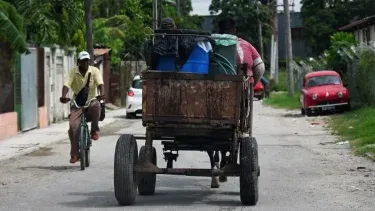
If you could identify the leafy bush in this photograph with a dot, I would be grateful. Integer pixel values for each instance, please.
(365, 76)
(338, 41)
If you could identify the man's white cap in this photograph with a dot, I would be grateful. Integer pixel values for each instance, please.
(83, 55)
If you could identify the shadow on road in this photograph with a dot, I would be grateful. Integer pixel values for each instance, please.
(167, 194)
(293, 115)
(52, 168)
(103, 199)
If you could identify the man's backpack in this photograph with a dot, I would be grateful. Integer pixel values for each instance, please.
(83, 94)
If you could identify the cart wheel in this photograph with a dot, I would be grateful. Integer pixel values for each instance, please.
(147, 181)
(125, 179)
(249, 171)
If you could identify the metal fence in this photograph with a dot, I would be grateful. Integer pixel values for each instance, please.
(303, 67)
(360, 75)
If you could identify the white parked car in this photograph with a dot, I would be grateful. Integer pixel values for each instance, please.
(134, 98)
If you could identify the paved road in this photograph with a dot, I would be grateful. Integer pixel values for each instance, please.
(300, 170)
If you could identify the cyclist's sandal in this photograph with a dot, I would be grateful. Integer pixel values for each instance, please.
(74, 159)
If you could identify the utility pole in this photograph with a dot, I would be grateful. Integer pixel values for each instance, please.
(89, 42)
(160, 11)
(178, 5)
(260, 30)
(154, 15)
(273, 60)
(276, 42)
(288, 44)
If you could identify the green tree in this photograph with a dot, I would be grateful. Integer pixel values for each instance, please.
(52, 22)
(361, 8)
(11, 25)
(338, 41)
(322, 18)
(184, 21)
(110, 32)
(246, 17)
(11, 42)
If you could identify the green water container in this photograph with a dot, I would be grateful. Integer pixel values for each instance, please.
(226, 46)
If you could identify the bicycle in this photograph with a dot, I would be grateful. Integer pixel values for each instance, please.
(84, 139)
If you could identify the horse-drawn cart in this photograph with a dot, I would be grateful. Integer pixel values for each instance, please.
(191, 112)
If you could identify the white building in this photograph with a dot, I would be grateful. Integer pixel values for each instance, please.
(364, 30)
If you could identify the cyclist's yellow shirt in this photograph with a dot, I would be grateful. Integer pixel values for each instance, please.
(76, 81)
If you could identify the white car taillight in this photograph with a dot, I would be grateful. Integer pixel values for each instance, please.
(130, 93)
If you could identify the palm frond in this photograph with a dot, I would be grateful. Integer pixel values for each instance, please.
(10, 33)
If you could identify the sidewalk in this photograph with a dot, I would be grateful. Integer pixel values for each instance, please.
(33, 140)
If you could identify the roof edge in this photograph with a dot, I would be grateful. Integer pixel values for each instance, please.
(357, 24)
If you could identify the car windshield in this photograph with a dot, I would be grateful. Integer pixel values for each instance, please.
(137, 84)
(323, 80)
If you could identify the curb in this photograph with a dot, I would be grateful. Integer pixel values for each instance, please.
(41, 145)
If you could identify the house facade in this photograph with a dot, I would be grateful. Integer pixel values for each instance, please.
(364, 30)
(31, 90)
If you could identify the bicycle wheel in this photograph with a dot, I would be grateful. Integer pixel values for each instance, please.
(82, 146)
(87, 152)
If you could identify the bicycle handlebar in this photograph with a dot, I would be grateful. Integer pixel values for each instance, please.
(86, 105)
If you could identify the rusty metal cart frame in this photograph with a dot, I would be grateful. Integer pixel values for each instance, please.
(220, 118)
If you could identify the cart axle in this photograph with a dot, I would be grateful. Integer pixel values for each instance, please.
(148, 167)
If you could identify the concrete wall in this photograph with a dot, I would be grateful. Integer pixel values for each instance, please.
(372, 33)
(8, 118)
(8, 125)
(57, 64)
(361, 35)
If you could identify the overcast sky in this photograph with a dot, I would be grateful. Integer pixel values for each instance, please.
(200, 7)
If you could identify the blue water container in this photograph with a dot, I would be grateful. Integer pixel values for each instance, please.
(166, 63)
(198, 62)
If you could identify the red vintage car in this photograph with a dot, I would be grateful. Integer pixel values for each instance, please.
(323, 91)
(259, 91)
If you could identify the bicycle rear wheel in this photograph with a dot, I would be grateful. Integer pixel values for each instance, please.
(87, 152)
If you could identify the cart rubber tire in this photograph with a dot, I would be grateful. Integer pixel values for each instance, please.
(249, 190)
(170, 164)
(125, 179)
(147, 181)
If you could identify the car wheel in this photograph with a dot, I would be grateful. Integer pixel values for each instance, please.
(303, 111)
(347, 107)
(308, 112)
(130, 115)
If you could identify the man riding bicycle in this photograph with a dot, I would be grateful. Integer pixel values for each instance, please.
(76, 81)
